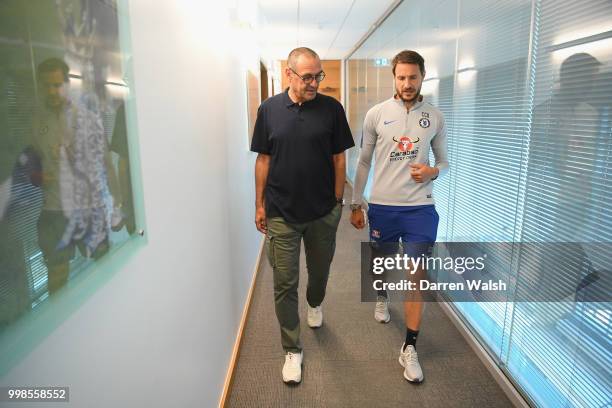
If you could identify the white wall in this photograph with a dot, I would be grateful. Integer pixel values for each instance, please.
(161, 331)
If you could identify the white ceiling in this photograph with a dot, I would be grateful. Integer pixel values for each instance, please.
(330, 27)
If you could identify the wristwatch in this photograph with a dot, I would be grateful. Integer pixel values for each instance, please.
(355, 207)
(340, 201)
(433, 178)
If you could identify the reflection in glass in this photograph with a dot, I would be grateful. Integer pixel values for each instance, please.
(76, 175)
(65, 186)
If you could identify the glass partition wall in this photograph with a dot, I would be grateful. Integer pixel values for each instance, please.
(526, 90)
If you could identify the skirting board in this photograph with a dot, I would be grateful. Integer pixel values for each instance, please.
(509, 389)
(229, 378)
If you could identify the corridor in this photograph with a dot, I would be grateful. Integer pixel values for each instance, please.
(144, 145)
(351, 361)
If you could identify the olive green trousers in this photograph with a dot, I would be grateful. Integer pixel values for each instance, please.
(283, 242)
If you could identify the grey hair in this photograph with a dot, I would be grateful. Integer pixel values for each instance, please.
(295, 54)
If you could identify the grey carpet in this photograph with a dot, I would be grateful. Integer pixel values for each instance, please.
(351, 361)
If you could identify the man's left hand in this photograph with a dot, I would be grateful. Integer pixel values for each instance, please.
(421, 172)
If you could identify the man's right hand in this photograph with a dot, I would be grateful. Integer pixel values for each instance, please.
(358, 219)
(260, 220)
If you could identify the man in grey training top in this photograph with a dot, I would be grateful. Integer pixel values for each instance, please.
(401, 131)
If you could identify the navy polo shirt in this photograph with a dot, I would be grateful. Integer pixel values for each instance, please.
(301, 140)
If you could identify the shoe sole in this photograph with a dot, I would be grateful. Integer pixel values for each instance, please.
(408, 379)
(383, 321)
(414, 381)
(293, 382)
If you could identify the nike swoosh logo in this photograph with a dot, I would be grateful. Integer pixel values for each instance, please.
(388, 122)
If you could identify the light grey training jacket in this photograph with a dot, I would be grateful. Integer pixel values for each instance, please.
(398, 137)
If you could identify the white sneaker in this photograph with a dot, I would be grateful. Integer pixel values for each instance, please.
(315, 316)
(410, 361)
(292, 370)
(381, 311)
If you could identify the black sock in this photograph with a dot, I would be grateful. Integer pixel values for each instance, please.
(382, 293)
(411, 338)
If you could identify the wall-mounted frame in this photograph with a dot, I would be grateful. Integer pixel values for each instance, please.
(71, 205)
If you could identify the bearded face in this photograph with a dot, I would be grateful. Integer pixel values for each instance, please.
(54, 88)
(408, 82)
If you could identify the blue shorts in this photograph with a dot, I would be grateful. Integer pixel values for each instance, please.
(411, 224)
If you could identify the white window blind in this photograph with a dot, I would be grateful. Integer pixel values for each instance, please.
(567, 345)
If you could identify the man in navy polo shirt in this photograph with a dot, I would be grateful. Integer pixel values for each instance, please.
(300, 137)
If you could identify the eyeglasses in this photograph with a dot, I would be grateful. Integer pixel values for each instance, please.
(308, 77)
